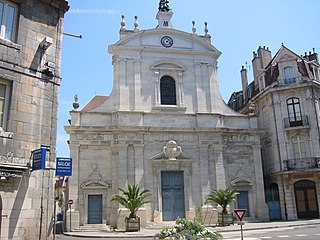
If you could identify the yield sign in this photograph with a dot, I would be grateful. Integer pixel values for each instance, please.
(240, 213)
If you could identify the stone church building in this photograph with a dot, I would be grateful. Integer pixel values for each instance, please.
(164, 127)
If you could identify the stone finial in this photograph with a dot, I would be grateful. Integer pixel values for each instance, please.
(206, 29)
(75, 103)
(123, 23)
(164, 6)
(172, 150)
(136, 24)
(194, 27)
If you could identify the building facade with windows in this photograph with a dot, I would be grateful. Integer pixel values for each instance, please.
(164, 127)
(284, 96)
(30, 47)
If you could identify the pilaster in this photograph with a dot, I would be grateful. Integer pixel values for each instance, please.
(220, 167)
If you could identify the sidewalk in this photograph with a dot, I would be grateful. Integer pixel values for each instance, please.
(148, 233)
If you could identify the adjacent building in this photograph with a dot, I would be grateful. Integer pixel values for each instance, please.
(284, 96)
(30, 47)
(164, 127)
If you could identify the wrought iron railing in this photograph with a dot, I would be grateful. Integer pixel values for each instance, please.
(302, 163)
(302, 121)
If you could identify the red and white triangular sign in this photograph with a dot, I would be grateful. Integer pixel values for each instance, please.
(240, 213)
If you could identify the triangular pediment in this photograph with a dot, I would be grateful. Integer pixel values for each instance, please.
(284, 54)
(94, 180)
(167, 65)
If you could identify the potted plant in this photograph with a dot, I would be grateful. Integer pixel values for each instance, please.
(223, 198)
(132, 198)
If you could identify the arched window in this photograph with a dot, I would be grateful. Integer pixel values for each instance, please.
(294, 112)
(168, 91)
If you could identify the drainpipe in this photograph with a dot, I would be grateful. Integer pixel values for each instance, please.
(280, 160)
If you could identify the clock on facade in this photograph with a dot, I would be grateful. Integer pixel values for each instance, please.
(166, 41)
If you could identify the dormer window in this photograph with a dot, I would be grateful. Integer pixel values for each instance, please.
(288, 75)
(168, 91)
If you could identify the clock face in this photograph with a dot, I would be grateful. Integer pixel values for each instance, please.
(166, 41)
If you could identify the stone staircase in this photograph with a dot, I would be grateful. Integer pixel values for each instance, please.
(94, 228)
(159, 225)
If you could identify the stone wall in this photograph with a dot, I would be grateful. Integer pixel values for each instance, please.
(32, 118)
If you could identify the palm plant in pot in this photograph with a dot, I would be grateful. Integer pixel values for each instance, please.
(132, 198)
(222, 198)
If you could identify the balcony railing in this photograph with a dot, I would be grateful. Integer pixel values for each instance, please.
(302, 121)
(302, 163)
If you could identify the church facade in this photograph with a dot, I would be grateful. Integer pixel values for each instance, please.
(164, 127)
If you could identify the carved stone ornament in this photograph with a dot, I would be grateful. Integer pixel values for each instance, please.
(95, 180)
(172, 150)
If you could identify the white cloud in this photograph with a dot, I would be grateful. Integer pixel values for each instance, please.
(93, 11)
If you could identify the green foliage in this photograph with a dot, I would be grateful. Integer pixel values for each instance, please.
(198, 215)
(222, 197)
(188, 230)
(132, 198)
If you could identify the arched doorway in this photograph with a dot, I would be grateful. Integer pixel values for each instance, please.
(273, 201)
(306, 199)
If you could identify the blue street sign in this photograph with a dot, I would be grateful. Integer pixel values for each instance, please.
(63, 166)
(39, 159)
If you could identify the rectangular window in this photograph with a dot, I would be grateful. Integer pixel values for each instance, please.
(8, 15)
(299, 148)
(288, 75)
(4, 102)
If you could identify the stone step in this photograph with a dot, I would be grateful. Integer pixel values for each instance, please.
(159, 225)
(94, 228)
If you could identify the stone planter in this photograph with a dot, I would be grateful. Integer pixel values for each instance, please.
(132, 224)
(225, 219)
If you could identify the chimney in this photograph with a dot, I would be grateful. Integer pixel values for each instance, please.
(313, 56)
(244, 81)
(256, 64)
(265, 55)
(260, 60)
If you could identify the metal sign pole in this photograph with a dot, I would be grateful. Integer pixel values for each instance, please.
(241, 233)
(70, 215)
(54, 220)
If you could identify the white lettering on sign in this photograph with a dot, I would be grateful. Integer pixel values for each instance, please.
(64, 164)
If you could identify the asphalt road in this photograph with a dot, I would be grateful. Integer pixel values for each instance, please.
(290, 233)
(311, 232)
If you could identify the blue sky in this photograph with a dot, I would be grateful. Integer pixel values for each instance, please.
(237, 28)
